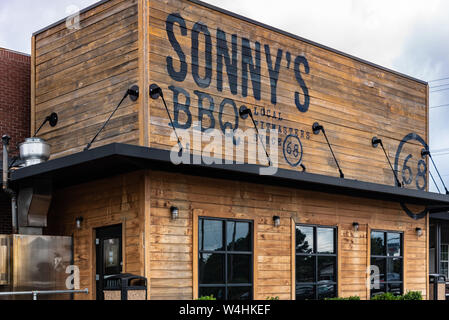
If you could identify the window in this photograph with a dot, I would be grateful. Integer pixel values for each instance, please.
(316, 262)
(444, 260)
(225, 259)
(387, 258)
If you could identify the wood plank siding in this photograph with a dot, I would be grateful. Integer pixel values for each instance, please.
(354, 101)
(209, 63)
(168, 258)
(82, 75)
(113, 201)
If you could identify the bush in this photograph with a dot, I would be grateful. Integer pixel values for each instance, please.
(385, 296)
(354, 298)
(411, 295)
(211, 297)
(272, 298)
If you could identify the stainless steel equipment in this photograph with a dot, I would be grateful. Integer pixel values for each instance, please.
(34, 151)
(34, 263)
(33, 204)
(5, 260)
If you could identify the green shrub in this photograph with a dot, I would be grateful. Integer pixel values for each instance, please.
(211, 297)
(386, 296)
(354, 298)
(272, 298)
(411, 295)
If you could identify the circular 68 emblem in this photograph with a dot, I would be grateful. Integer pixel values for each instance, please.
(293, 150)
(413, 176)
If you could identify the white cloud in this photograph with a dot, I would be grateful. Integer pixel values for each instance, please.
(21, 18)
(372, 30)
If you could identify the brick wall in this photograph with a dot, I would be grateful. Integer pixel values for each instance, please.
(15, 79)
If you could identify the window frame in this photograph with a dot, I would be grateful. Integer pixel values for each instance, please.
(444, 261)
(315, 256)
(386, 257)
(226, 253)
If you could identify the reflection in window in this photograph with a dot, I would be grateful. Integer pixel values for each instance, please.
(111, 253)
(316, 263)
(386, 256)
(444, 260)
(225, 259)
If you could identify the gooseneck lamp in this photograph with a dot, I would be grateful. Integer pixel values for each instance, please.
(133, 94)
(156, 93)
(245, 112)
(425, 153)
(317, 128)
(375, 142)
(51, 119)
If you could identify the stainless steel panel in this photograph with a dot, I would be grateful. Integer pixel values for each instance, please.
(40, 262)
(33, 204)
(5, 260)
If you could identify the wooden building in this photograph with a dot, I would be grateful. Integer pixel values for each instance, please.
(224, 229)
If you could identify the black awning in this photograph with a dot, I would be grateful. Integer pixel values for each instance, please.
(116, 159)
(443, 215)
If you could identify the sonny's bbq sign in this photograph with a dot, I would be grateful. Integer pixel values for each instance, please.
(228, 72)
(209, 64)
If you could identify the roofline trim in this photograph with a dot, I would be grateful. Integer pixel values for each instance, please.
(160, 161)
(260, 24)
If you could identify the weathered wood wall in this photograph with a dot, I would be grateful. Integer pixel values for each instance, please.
(352, 99)
(172, 250)
(113, 201)
(83, 74)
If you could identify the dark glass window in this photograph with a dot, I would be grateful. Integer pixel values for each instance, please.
(225, 259)
(316, 262)
(387, 259)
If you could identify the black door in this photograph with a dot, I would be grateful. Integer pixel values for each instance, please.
(109, 255)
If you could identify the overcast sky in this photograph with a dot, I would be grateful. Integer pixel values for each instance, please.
(409, 36)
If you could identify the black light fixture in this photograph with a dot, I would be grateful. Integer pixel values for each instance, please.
(174, 213)
(246, 112)
(51, 119)
(425, 153)
(79, 222)
(133, 94)
(317, 128)
(277, 221)
(419, 232)
(375, 142)
(356, 226)
(156, 93)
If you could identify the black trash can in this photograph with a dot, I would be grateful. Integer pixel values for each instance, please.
(437, 287)
(125, 287)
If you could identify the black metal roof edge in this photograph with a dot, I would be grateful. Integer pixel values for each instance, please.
(282, 177)
(260, 24)
(65, 162)
(291, 35)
